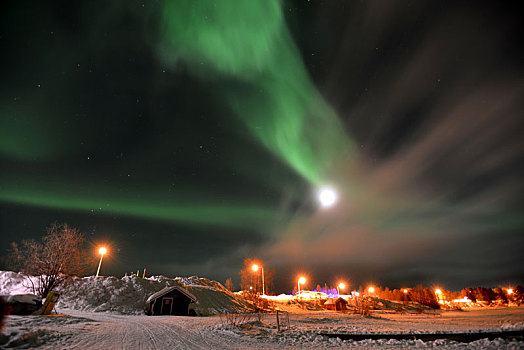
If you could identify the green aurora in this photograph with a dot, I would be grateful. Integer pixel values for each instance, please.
(246, 43)
(247, 46)
(147, 206)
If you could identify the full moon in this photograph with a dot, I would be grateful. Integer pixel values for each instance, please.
(327, 196)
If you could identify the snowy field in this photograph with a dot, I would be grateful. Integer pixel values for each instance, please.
(102, 330)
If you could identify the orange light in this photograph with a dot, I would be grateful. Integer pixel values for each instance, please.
(438, 291)
(510, 291)
(405, 291)
(101, 251)
(371, 290)
(341, 285)
(302, 280)
(254, 267)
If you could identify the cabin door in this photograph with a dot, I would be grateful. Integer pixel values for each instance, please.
(167, 306)
(181, 305)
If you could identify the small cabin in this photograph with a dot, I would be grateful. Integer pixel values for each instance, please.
(339, 304)
(174, 300)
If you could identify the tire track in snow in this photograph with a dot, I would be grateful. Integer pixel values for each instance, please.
(170, 330)
(149, 333)
(183, 334)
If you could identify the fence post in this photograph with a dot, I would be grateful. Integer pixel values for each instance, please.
(278, 323)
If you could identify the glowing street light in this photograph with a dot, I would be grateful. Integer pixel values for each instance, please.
(327, 196)
(510, 291)
(255, 268)
(301, 280)
(405, 291)
(439, 295)
(101, 251)
(340, 286)
(371, 290)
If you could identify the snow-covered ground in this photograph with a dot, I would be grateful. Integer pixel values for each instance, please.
(107, 313)
(102, 330)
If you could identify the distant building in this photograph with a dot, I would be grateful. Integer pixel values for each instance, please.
(339, 304)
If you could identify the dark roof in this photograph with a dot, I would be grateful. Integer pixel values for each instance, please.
(167, 290)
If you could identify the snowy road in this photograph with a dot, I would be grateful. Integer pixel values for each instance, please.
(89, 330)
(142, 332)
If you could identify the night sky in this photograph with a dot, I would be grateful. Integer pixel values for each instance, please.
(189, 135)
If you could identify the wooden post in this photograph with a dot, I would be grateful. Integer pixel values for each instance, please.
(278, 323)
(50, 301)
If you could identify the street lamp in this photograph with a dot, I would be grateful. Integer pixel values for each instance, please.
(301, 280)
(340, 286)
(101, 251)
(371, 290)
(438, 294)
(510, 291)
(255, 268)
(405, 291)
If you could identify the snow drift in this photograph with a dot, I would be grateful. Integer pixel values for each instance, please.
(127, 295)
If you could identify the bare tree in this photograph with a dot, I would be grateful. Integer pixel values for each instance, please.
(229, 284)
(363, 305)
(251, 281)
(424, 296)
(52, 261)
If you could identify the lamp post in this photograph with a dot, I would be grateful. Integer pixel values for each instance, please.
(301, 280)
(438, 294)
(101, 251)
(255, 268)
(340, 286)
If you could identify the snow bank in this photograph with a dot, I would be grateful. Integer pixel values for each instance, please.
(124, 295)
(12, 283)
(127, 295)
(23, 298)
